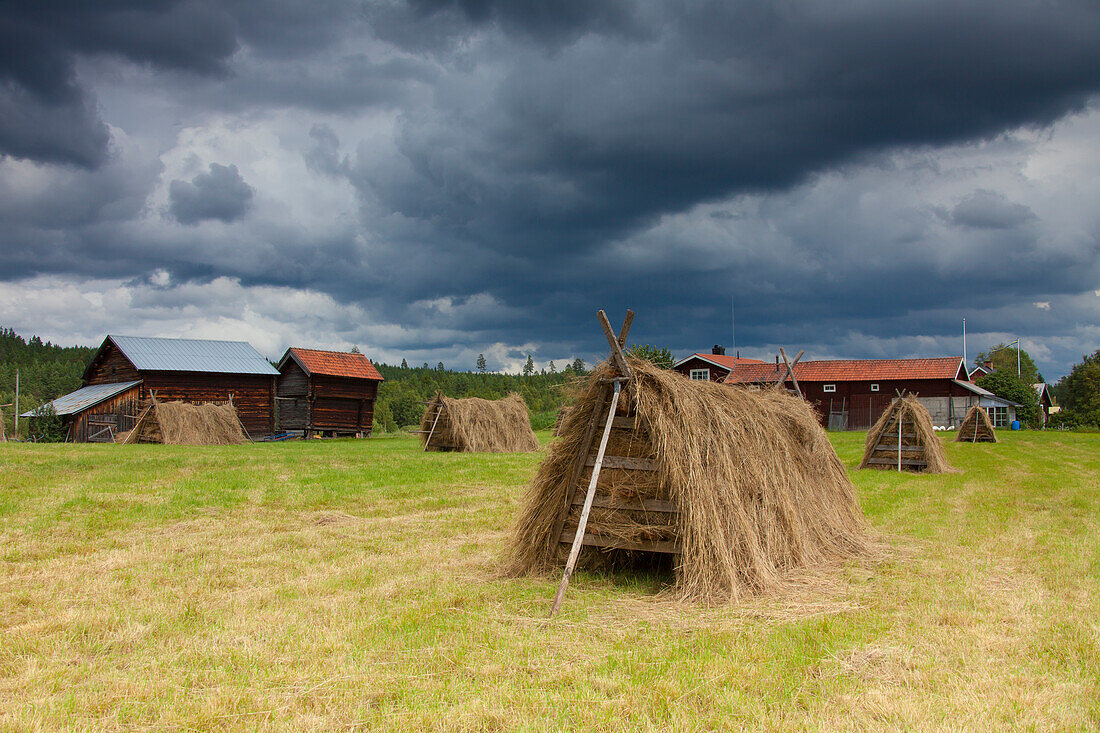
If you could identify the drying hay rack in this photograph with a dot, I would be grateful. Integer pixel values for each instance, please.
(789, 372)
(887, 452)
(605, 413)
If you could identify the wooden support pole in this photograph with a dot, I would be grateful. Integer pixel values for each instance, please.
(790, 369)
(899, 441)
(625, 329)
(613, 341)
(578, 540)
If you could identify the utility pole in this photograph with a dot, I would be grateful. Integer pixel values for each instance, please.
(733, 327)
(965, 362)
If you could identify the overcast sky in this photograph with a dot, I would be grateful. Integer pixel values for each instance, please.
(436, 179)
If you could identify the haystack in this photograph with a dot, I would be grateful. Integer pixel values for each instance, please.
(743, 488)
(907, 421)
(182, 423)
(474, 425)
(976, 427)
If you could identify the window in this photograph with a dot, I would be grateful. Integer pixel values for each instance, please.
(998, 416)
(754, 387)
(874, 387)
(701, 374)
(829, 388)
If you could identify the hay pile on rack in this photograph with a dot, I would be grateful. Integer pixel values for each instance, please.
(744, 487)
(182, 423)
(474, 425)
(559, 421)
(976, 427)
(921, 450)
(3, 438)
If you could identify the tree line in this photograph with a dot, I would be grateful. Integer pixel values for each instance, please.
(46, 371)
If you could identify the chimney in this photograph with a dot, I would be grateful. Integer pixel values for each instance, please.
(777, 362)
(718, 350)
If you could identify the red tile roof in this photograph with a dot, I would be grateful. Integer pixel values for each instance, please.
(853, 370)
(729, 362)
(335, 363)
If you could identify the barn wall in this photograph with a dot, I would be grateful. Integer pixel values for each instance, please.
(942, 397)
(343, 404)
(292, 389)
(120, 413)
(253, 394)
(111, 367)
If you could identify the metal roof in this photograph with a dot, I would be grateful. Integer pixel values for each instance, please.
(986, 397)
(192, 355)
(86, 397)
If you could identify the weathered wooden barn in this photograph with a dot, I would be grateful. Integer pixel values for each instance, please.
(189, 370)
(851, 394)
(95, 413)
(330, 392)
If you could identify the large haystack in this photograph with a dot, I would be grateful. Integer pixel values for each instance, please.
(744, 487)
(474, 425)
(976, 427)
(920, 449)
(182, 423)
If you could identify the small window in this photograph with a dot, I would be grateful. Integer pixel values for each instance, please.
(829, 388)
(874, 387)
(754, 387)
(998, 416)
(701, 374)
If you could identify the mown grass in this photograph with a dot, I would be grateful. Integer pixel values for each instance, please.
(350, 584)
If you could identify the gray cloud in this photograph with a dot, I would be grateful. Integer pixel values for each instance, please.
(990, 210)
(220, 194)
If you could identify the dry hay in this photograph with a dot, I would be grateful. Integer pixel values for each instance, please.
(3, 438)
(921, 450)
(559, 421)
(183, 423)
(976, 427)
(474, 425)
(760, 492)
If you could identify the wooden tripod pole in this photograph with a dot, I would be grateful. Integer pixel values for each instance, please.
(578, 540)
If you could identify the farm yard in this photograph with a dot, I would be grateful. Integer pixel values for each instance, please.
(352, 584)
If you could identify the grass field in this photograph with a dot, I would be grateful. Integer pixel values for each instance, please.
(350, 584)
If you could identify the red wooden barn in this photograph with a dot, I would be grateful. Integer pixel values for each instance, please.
(330, 392)
(188, 370)
(712, 367)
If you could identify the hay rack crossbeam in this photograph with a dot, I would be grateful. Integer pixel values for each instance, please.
(611, 414)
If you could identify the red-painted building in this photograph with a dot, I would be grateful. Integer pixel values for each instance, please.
(326, 391)
(851, 394)
(712, 367)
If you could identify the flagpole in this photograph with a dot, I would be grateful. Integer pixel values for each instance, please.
(964, 349)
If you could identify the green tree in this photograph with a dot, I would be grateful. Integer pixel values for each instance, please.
(404, 364)
(481, 366)
(1004, 360)
(578, 366)
(553, 369)
(1006, 384)
(439, 367)
(529, 367)
(1081, 388)
(660, 356)
(45, 425)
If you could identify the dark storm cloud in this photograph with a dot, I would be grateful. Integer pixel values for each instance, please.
(48, 116)
(602, 136)
(220, 194)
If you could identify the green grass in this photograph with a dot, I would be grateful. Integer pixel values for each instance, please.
(350, 584)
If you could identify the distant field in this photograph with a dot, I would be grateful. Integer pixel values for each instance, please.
(349, 584)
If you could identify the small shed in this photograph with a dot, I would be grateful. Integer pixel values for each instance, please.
(97, 413)
(331, 392)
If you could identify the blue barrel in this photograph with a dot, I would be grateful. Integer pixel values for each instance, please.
(1015, 424)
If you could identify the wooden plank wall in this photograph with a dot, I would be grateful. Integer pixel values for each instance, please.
(120, 412)
(253, 394)
(292, 389)
(343, 404)
(111, 367)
